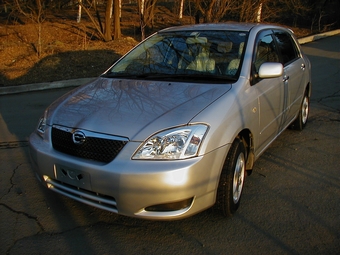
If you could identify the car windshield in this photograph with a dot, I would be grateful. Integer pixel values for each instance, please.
(214, 55)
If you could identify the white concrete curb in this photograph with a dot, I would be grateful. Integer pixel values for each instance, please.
(318, 36)
(44, 85)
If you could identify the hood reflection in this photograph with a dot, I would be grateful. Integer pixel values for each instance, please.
(105, 104)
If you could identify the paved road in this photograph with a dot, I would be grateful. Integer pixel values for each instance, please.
(291, 203)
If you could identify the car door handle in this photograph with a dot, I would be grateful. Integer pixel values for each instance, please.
(303, 67)
(285, 78)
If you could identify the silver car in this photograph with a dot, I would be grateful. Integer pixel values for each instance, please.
(175, 125)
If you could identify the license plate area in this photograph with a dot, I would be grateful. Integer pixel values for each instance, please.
(73, 177)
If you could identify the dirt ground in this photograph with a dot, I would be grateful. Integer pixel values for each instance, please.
(69, 49)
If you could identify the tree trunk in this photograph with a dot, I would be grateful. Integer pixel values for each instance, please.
(259, 13)
(108, 15)
(152, 12)
(142, 21)
(181, 9)
(116, 14)
(208, 16)
(79, 12)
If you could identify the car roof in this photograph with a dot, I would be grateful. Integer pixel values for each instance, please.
(213, 26)
(230, 26)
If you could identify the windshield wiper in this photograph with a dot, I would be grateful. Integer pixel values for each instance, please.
(117, 75)
(136, 76)
(132, 75)
(182, 76)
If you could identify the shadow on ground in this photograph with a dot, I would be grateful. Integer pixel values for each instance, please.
(65, 66)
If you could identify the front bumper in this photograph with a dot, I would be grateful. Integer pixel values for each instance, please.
(136, 188)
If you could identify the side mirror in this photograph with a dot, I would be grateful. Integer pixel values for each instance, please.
(270, 70)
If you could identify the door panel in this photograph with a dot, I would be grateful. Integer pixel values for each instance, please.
(294, 67)
(271, 102)
(294, 88)
(270, 92)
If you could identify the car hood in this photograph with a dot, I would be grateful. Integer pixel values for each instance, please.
(132, 108)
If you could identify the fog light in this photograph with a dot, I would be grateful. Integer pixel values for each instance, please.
(175, 206)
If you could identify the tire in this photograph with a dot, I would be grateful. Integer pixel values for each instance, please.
(301, 121)
(231, 180)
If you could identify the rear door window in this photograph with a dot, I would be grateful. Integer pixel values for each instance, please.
(286, 47)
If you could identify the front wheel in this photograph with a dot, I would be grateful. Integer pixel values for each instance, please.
(232, 179)
(301, 121)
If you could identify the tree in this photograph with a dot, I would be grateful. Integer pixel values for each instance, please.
(214, 10)
(295, 8)
(146, 13)
(181, 9)
(259, 13)
(281, 11)
(264, 11)
(35, 12)
(105, 32)
(108, 20)
(324, 14)
(249, 10)
(141, 16)
(117, 10)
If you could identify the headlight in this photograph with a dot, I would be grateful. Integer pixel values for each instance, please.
(42, 125)
(178, 143)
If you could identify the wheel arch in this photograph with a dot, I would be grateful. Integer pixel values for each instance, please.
(247, 138)
(308, 89)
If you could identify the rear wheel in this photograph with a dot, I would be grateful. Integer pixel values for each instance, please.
(301, 120)
(232, 179)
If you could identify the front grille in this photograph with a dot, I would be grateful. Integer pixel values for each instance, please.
(88, 197)
(94, 147)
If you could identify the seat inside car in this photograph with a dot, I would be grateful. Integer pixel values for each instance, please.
(234, 64)
(203, 62)
(221, 55)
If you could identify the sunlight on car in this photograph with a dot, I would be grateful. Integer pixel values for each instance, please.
(175, 126)
(177, 178)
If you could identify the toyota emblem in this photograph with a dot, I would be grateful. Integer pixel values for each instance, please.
(78, 137)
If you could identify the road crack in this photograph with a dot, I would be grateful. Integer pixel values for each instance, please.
(26, 215)
(336, 94)
(11, 181)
